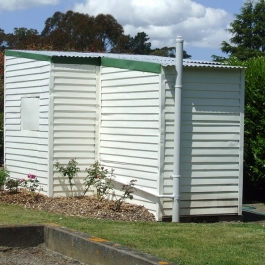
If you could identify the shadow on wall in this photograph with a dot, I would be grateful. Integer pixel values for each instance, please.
(78, 188)
(209, 141)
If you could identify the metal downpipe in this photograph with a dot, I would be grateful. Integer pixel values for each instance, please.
(177, 130)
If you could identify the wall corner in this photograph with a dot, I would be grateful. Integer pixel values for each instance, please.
(98, 112)
(241, 140)
(50, 132)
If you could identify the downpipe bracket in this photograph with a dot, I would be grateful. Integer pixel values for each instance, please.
(175, 176)
(176, 197)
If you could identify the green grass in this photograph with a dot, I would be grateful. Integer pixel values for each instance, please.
(185, 244)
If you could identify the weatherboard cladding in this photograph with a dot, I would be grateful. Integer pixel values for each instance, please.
(129, 113)
(210, 134)
(129, 133)
(26, 151)
(145, 63)
(74, 119)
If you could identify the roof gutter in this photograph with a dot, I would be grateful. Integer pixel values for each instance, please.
(177, 130)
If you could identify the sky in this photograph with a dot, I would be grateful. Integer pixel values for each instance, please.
(201, 23)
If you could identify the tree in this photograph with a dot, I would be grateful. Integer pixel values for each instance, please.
(254, 131)
(2, 37)
(169, 52)
(186, 55)
(219, 59)
(82, 32)
(109, 32)
(69, 29)
(248, 30)
(122, 45)
(139, 44)
(21, 38)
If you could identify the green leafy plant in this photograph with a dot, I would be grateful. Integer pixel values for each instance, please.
(31, 184)
(247, 37)
(4, 174)
(128, 190)
(70, 171)
(12, 185)
(99, 177)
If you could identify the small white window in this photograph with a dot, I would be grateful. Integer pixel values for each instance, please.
(30, 109)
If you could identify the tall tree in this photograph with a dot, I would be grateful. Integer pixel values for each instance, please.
(108, 31)
(69, 29)
(186, 55)
(2, 37)
(254, 127)
(219, 59)
(82, 32)
(169, 52)
(21, 38)
(139, 44)
(122, 45)
(248, 30)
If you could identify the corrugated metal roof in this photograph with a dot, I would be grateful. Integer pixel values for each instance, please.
(164, 61)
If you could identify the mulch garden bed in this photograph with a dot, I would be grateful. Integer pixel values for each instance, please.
(82, 206)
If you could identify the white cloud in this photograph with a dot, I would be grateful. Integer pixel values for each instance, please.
(163, 20)
(23, 4)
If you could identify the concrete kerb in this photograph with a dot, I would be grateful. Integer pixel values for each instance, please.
(74, 244)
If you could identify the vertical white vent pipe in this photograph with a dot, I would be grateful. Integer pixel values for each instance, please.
(177, 129)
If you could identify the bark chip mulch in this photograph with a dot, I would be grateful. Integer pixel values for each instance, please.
(82, 206)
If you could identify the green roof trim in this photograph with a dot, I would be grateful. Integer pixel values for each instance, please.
(76, 60)
(131, 65)
(28, 55)
(98, 61)
(54, 59)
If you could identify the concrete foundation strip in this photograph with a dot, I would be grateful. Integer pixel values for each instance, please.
(76, 245)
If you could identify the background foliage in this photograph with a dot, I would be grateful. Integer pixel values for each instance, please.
(248, 32)
(81, 32)
(247, 48)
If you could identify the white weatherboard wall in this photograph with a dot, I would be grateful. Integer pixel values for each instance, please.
(125, 119)
(26, 149)
(129, 133)
(212, 120)
(74, 121)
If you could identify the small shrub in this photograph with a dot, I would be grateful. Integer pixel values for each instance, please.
(128, 190)
(12, 185)
(70, 171)
(99, 177)
(4, 174)
(31, 184)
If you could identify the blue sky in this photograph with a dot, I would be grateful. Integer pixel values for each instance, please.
(201, 23)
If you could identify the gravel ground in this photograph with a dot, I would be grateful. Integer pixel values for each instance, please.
(33, 256)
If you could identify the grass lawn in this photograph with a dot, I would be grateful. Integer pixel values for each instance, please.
(185, 244)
